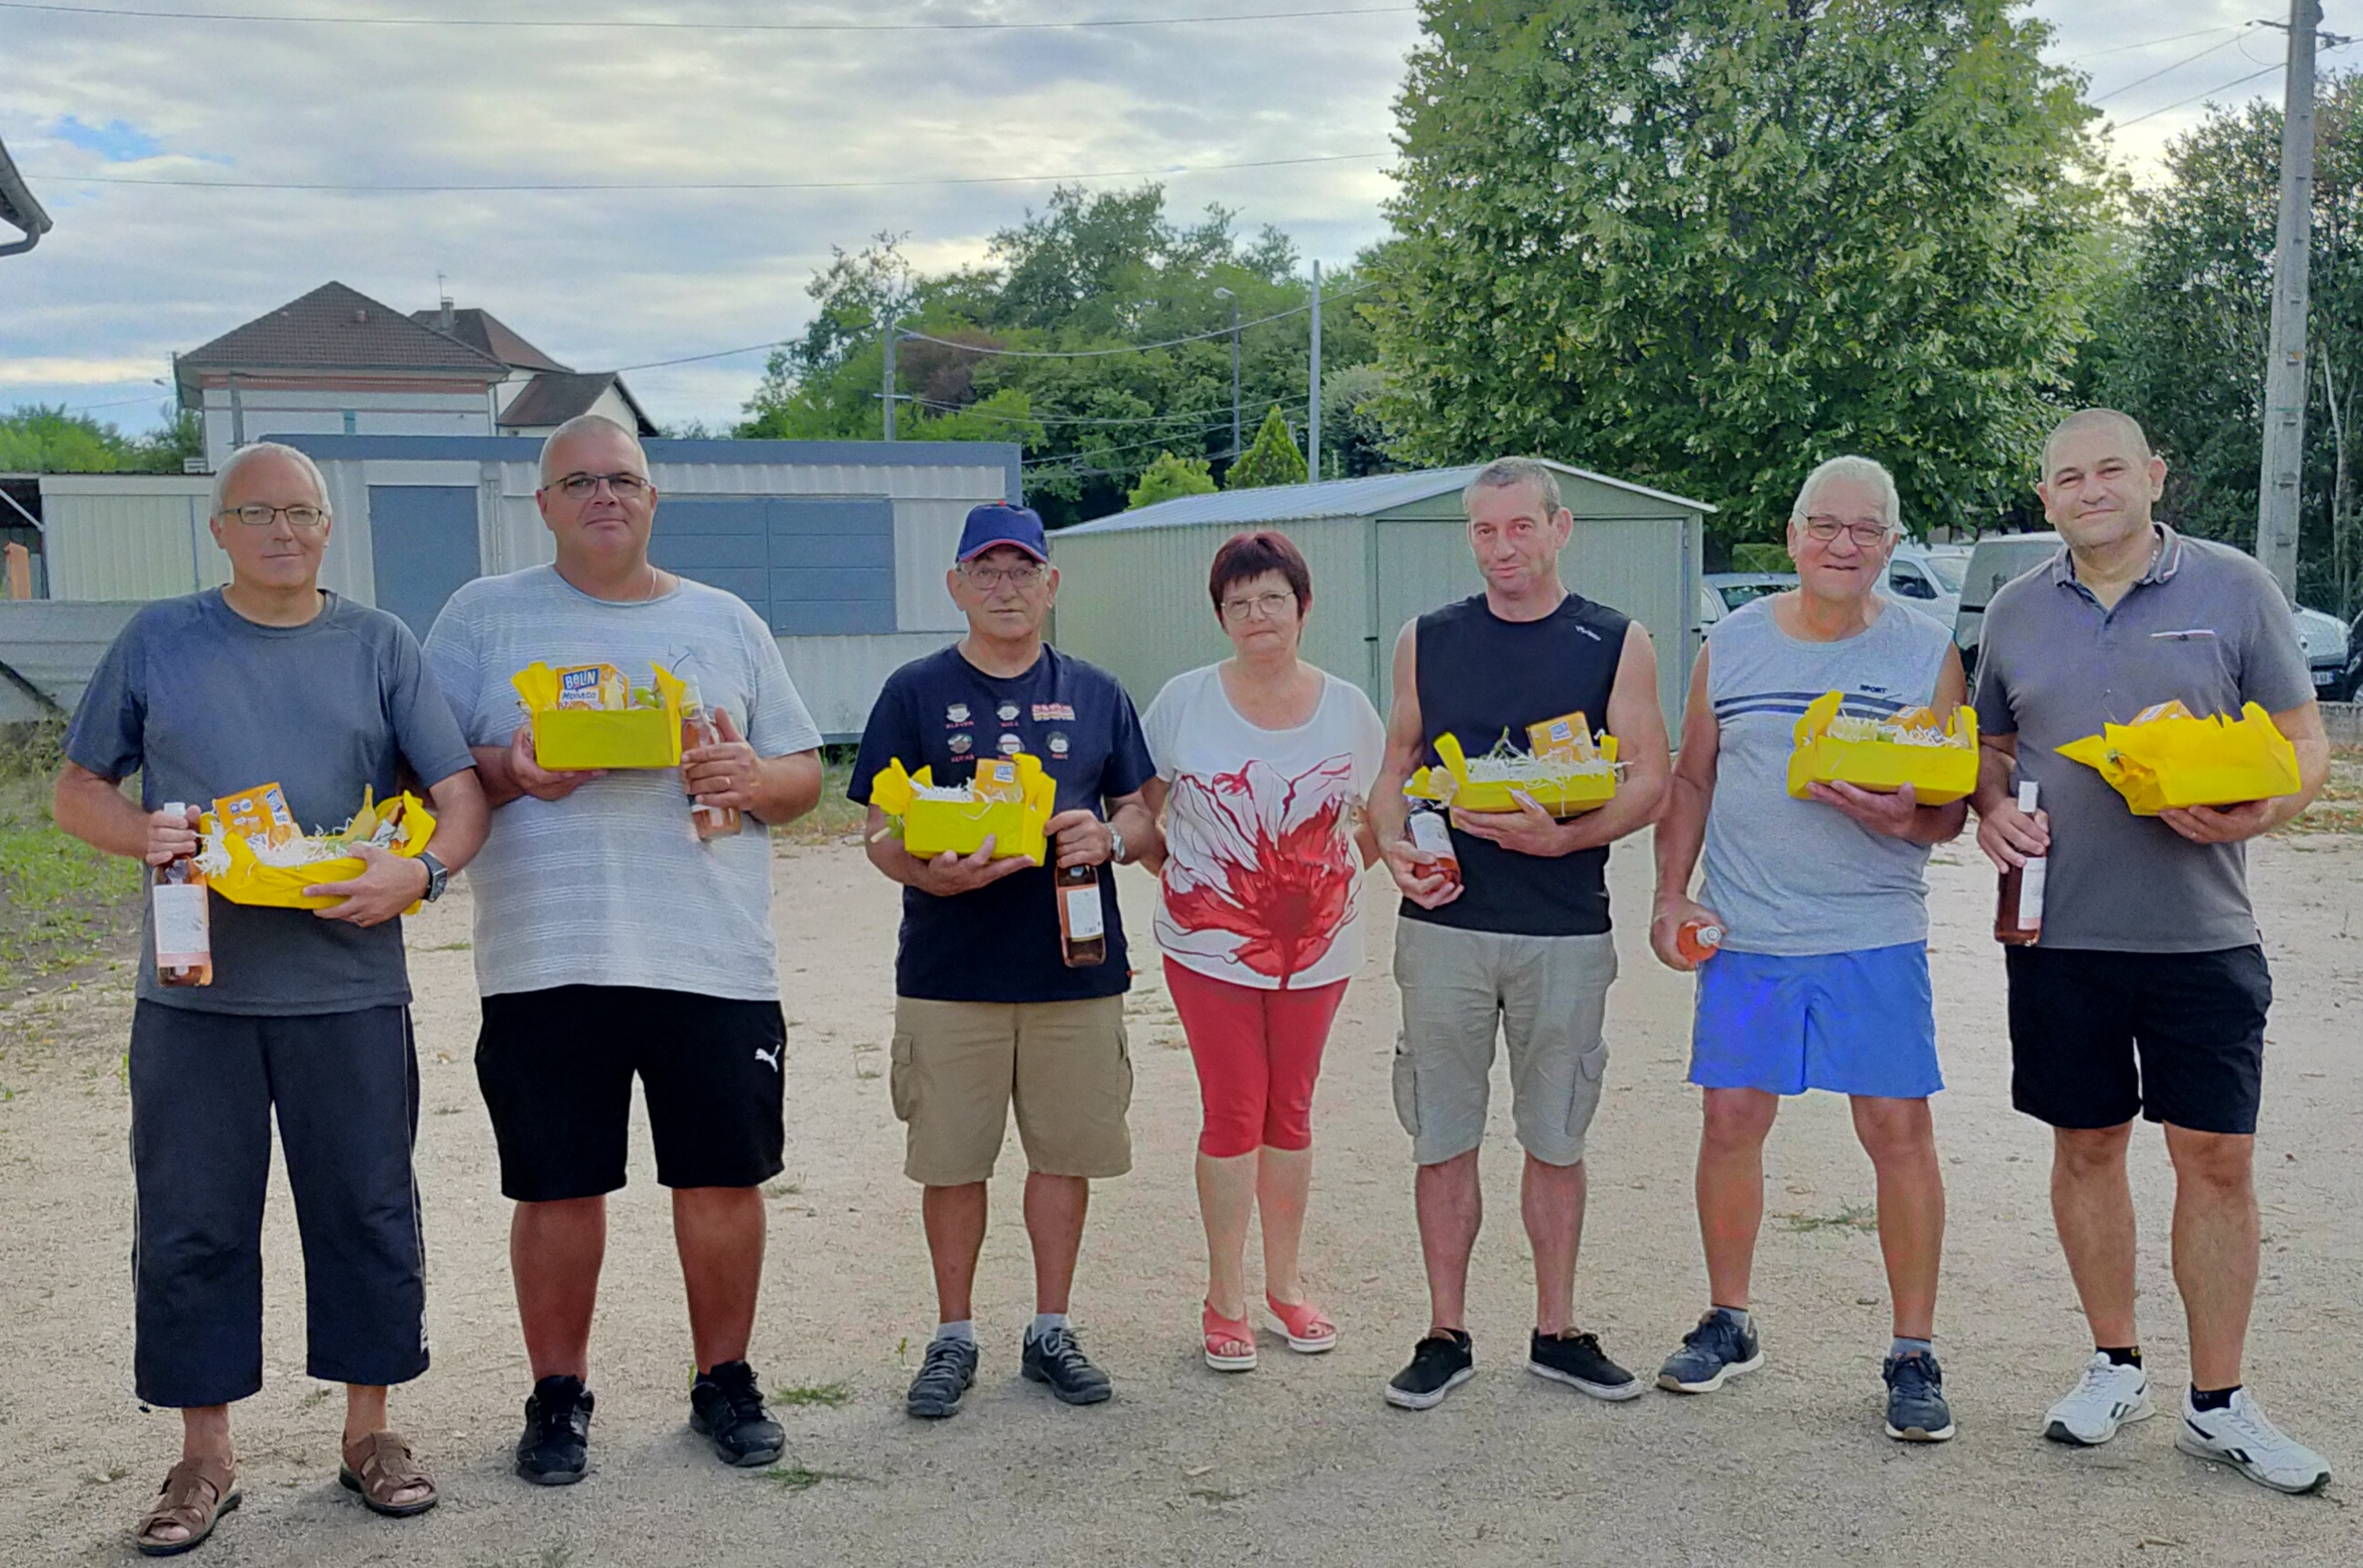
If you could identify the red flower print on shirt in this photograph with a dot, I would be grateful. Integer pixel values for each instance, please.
(1261, 866)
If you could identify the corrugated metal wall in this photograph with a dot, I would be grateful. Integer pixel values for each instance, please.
(838, 677)
(109, 539)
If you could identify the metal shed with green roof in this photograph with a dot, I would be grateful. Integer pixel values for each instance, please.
(1384, 548)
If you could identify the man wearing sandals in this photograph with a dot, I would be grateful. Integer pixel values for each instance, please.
(271, 679)
(1517, 942)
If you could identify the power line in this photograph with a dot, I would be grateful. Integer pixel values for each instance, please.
(2224, 87)
(619, 24)
(1131, 347)
(2152, 43)
(63, 178)
(2169, 70)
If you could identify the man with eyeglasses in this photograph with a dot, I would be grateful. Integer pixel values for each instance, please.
(1821, 981)
(987, 1013)
(612, 942)
(271, 679)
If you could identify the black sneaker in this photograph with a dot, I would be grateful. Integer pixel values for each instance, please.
(1057, 1360)
(1916, 1411)
(556, 1448)
(1439, 1363)
(1577, 1359)
(725, 1404)
(945, 1377)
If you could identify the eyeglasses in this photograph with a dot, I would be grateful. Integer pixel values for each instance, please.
(1826, 530)
(255, 515)
(1263, 607)
(1025, 574)
(622, 486)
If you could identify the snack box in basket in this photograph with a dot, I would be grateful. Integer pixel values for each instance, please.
(1559, 786)
(246, 879)
(1013, 809)
(1938, 772)
(568, 738)
(2166, 758)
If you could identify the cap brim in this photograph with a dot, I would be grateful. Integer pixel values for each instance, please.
(1012, 543)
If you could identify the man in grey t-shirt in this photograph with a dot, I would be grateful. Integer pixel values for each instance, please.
(2146, 992)
(306, 1014)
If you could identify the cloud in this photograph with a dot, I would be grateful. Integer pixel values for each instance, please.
(602, 279)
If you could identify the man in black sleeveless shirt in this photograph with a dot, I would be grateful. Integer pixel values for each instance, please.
(1519, 941)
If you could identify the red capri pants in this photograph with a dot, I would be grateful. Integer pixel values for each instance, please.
(1258, 1053)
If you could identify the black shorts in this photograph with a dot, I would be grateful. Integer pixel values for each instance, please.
(2078, 1018)
(556, 1069)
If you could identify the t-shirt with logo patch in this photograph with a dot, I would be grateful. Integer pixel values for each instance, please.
(1000, 943)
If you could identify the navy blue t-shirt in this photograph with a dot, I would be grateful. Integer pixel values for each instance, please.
(1000, 943)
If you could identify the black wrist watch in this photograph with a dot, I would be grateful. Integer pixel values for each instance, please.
(439, 875)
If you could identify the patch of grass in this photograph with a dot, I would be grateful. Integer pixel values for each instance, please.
(2339, 808)
(782, 1188)
(1861, 1218)
(61, 903)
(803, 1478)
(835, 818)
(445, 946)
(833, 1396)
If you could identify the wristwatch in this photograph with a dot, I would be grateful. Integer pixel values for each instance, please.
(1115, 845)
(439, 875)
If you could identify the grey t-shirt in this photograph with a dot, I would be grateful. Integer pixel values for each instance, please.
(2206, 625)
(1795, 877)
(611, 885)
(203, 703)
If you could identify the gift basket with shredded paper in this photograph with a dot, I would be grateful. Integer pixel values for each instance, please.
(1939, 762)
(1561, 784)
(1009, 799)
(589, 716)
(252, 851)
(2167, 758)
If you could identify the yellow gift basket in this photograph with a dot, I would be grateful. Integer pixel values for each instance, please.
(1883, 755)
(1561, 787)
(937, 817)
(2166, 758)
(570, 738)
(274, 875)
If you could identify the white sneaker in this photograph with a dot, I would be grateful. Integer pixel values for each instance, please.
(2105, 1398)
(2239, 1435)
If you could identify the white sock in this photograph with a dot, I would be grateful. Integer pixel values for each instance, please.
(964, 1331)
(1043, 1323)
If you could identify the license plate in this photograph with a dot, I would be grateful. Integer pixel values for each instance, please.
(2325, 677)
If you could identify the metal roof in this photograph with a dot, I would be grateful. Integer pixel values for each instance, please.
(488, 334)
(339, 328)
(1330, 498)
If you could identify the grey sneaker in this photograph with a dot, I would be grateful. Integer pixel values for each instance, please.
(945, 1377)
(2239, 1435)
(1718, 1348)
(1916, 1411)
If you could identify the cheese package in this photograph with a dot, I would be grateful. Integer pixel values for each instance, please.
(2168, 758)
(996, 779)
(260, 813)
(1566, 738)
(1939, 762)
(1494, 781)
(598, 687)
(958, 818)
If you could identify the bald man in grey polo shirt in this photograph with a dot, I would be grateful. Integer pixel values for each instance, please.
(2149, 949)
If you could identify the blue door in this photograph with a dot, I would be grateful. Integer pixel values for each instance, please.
(422, 546)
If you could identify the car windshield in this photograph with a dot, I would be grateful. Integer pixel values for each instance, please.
(1737, 593)
(1948, 569)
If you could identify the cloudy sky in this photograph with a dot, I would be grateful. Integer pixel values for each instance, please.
(146, 137)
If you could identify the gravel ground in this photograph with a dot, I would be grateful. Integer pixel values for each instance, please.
(1299, 1462)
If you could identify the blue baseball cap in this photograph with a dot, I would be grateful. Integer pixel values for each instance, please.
(996, 525)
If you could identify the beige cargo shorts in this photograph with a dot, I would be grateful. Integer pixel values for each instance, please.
(958, 1067)
(1547, 997)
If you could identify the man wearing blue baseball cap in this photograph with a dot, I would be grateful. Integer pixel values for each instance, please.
(988, 1013)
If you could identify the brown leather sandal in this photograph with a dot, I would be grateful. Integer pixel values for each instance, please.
(195, 1495)
(381, 1465)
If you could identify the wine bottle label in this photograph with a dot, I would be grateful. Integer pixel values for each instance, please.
(1085, 919)
(183, 938)
(2030, 892)
(1430, 837)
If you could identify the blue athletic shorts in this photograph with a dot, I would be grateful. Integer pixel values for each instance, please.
(1854, 1023)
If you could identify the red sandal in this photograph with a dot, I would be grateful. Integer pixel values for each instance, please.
(1230, 1341)
(1308, 1328)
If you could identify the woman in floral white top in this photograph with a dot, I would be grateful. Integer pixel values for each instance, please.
(1262, 765)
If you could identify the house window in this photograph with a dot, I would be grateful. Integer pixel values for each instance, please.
(352, 423)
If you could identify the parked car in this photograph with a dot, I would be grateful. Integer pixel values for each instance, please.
(1928, 578)
(1720, 593)
(2329, 646)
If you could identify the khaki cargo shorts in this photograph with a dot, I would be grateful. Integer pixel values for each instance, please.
(1547, 995)
(958, 1065)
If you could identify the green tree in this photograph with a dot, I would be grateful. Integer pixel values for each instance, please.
(1707, 243)
(36, 438)
(1169, 476)
(1270, 458)
(2181, 335)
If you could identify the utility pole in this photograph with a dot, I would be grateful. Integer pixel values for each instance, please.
(1236, 447)
(886, 401)
(1312, 418)
(2285, 369)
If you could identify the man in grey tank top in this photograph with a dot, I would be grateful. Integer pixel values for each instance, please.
(1822, 978)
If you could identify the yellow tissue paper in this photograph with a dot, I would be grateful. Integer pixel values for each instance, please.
(241, 870)
(1941, 765)
(2166, 758)
(938, 818)
(569, 739)
(1561, 787)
